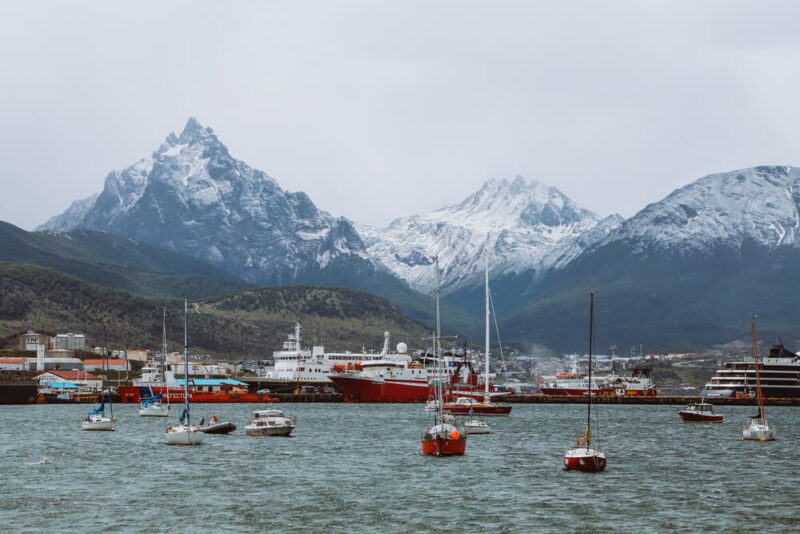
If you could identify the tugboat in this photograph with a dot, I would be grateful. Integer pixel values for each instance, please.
(699, 412)
(583, 456)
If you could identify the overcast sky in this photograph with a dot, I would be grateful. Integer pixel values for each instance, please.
(379, 110)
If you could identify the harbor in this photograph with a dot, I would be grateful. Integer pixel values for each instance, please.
(328, 477)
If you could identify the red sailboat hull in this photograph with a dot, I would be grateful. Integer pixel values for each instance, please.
(440, 446)
(588, 463)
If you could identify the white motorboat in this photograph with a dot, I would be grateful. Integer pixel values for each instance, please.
(477, 426)
(153, 407)
(270, 423)
(184, 433)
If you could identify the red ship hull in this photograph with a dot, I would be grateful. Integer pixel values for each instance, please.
(131, 394)
(362, 389)
(440, 446)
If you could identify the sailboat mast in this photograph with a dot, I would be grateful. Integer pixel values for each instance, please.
(186, 359)
(437, 343)
(591, 338)
(107, 369)
(164, 335)
(758, 375)
(486, 357)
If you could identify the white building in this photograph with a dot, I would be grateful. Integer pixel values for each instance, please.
(12, 364)
(94, 366)
(69, 341)
(79, 378)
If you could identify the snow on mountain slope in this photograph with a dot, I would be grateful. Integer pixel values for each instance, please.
(192, 196)
(760, 205)
(526, 225)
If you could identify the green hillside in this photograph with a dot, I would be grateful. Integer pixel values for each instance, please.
(117, 263)
(248, 325)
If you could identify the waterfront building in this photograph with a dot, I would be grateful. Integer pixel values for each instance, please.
(69, 341)
(79, 378)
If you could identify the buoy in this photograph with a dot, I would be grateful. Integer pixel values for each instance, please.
(455, 434)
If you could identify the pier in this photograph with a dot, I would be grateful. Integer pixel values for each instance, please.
(661, 399)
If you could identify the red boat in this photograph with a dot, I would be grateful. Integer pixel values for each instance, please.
(701, 412)
(444, 440)
(470, 406)
(583, 456)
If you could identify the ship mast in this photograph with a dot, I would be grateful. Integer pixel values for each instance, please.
(486, 356)
(758, 376)
(589, 406)
(186, 360)
(437, 345)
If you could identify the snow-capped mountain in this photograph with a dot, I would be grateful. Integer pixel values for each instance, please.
(526, 226)
(192, 196)
(759, 206)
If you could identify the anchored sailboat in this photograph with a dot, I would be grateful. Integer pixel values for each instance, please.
(583, 456)
(443, 438)
(184, 433)
(758, 429)
(153, 406)
(97, 419)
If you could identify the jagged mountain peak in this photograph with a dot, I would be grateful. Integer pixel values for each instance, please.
(760, 205)
(522, 225)
(192, 196)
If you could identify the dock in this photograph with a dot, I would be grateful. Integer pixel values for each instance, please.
(661, 399)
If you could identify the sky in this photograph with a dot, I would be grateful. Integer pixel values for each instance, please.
(379, 110)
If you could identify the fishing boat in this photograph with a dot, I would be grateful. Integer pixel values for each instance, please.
(758, 429)
(699, 412)
(97, 419)
(215, 426)
(184, 433)
(270, 423)
(443, 438)
(583, 456)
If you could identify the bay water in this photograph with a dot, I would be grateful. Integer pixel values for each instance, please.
(359, 468)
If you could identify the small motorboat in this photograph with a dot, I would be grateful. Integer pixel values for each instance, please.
(700, 412)
(270, 423)
(477, 426)
(216, 427)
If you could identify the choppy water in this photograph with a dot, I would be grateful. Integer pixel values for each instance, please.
(359, 468)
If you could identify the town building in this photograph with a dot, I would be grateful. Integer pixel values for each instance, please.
(12, 364)
(79, 378)
(94, 366)
(31, 340)
(69, 341)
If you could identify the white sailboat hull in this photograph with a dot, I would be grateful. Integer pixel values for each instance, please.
(97, 423)
(154, 411)
(183, 435)
(759, 432)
